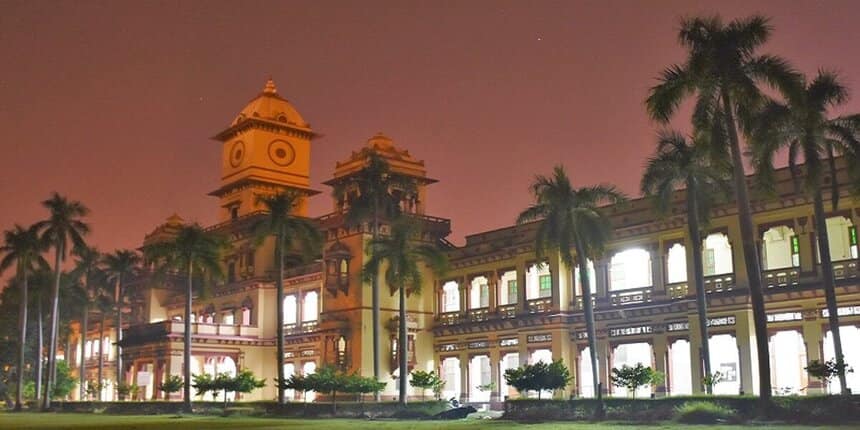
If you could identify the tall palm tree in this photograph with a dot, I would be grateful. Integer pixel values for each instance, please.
(104, 305)
(289, 230)
(372, 194)
(196, 252)
(679, 164)
(723, 71)
(571, 219)
(119, 266)
(63, 227)
(87, 266)
(403, 258)
(801, 124)
(22, 248)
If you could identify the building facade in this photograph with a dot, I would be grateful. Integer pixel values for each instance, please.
(498, 307)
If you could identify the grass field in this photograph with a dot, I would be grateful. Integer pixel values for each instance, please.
(27, 421)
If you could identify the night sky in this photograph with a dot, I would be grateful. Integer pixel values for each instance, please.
(114, 103)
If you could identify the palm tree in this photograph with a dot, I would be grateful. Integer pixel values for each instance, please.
(104, 305)
(64, 225)
(87, 267)
(22, 248)
(801, 125)
(678, 164)
(288, 230)
(119, 267)
(570, 218)
(373, 193)
(723, 71)
(404, 258)
(197, 252)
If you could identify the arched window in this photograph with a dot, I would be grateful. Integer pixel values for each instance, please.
(450, 297)
(310, 308)
(717, 255)
(479, 293)
(508, 288)
(676, 264)
(842, 235)
(538, 281)
(780, 248)
(630, 269)
(591, 276)
(88, 349)
(290, 310)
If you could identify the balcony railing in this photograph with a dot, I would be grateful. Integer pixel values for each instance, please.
(507, 311)
(677, 291)
(719, 283)
(208, 329)
(449, 318)
(479, 314)
(539, 306)
(578, 305)
(846, 269)
(304, 327)
(630, 297)
(786, 277)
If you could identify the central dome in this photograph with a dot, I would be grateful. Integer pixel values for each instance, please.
(270, 106)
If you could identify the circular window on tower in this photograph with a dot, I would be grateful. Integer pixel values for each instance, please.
(281, 153)
(237, 153)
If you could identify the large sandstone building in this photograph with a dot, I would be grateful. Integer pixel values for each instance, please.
(497, 307)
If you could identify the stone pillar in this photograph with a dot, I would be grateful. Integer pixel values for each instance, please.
(658, 270)
(562, 349)
(697, 374)
(493, 286)
(522, 306)
(465, 304)
(465, 384)
(561, 287)
(523, 349)
(300, 304)
(738, 264)
(745, 337)
(604, 358)
(601, 281)
(661, 351)
(803, 229)
(495, 377)
(813, 338)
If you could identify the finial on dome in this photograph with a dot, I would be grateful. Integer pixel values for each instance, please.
(270, 87)
(174, 219)
(379, 141)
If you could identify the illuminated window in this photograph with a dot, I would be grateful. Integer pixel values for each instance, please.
(310, 308)
(290, 310)
(508, 288)
(533, 281)
(778, 250)
(479, 293)
(591, 278)
(630, 269)
(717, 255)
(545, 286)
(843, 239)
(676, 264)
(450, 297)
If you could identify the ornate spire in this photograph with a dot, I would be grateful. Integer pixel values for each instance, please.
(270, 87)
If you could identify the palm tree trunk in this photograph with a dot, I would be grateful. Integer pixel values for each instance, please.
(374, 292)
(699, 279)
(751, 258)
(403, 353)
(52, 338)
(829, 284)
(101, 356)
(588, 307)
(120, 373)
(40, 349)
(186, 350)
(279, 286)
(83, 370)
(22, 339)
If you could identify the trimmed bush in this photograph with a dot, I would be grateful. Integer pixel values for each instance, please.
(703, 413)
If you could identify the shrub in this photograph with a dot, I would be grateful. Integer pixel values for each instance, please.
(172, 384)
(703, 413)
(634, 377)
(426, 380)
(538, 377)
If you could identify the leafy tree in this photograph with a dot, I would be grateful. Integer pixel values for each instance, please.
(403, 274)
(425, 381)
(296, 382)
(64, 381)
(125, 390)
(724, 71)
(172, 384)
(373, 193)
(634, 377)
(22, 248)
(196, 252)
(539, 377)
(62, 228)
(203, 383)
(825, 371)
(87, 267)
(358, 385)
(242, 382)
(801, 125)
(711, 380)
(327, 379)
(571, 218)
(289, 230)
(94, 389)
(119, 266)
(677, 164)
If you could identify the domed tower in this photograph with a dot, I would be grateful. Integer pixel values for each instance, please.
(265, 150)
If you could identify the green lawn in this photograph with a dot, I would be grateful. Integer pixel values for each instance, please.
(24, 421)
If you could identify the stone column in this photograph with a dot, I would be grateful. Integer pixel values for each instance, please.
(601, 278)
(661, 352)
(465, 304)
(813, 338)
(658, 276)
(300, 304)
(493, 286)
(522, 306)
(738, 264)
(465, 385)
(561, 288)
(803, 229)
(604, 357)
(745, 337)
(697, 374)
(561, 349)
(495, 377)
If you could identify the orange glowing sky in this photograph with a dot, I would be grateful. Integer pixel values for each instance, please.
(113, 103)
